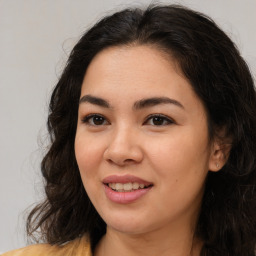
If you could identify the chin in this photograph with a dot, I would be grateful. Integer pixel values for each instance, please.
(128, 229)
(130, 226)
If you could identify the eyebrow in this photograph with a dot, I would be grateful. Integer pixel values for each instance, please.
(140, 104)
(95, 101)
(150, 102)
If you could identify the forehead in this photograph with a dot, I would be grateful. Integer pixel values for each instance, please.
(132, 66)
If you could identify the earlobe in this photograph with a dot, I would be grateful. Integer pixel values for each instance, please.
(219, 155)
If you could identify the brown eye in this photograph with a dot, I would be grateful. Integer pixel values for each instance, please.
(98, 120)
(158, 120)
(95, 120)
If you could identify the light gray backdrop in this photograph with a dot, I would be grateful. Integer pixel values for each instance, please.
(35, 39)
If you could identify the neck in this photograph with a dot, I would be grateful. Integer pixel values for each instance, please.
(157, 242)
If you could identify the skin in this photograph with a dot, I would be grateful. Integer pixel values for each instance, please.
(175, 153)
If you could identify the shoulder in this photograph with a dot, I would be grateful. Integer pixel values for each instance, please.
(77, 247)
(37, 249)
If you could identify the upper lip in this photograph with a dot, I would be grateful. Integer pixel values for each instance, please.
(125, 179)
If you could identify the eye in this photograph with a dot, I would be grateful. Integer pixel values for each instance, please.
(95, 120)
(158, 120)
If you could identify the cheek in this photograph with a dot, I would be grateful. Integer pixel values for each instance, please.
(88, 154)
(180, 156)
(180, 166)
(88, 157)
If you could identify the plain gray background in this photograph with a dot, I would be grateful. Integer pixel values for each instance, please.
(36, 37)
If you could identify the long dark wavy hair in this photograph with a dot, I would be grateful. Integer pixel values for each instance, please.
(221, 79)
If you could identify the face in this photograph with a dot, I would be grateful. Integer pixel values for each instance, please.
(142, 143)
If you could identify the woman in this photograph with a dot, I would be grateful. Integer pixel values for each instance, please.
(152, 125)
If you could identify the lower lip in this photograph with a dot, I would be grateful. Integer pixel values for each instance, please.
(125, 197)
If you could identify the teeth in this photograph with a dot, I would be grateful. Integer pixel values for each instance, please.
(128, 186)
(135, 185)
(142, 186)
(120, 187)
(112, 185)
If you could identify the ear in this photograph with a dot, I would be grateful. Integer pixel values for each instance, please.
(219, 154)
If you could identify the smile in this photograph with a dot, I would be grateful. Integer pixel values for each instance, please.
(127, 187)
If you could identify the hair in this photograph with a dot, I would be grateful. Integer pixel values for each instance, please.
(221, 79)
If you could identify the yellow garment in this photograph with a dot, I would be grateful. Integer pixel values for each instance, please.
(78, 247)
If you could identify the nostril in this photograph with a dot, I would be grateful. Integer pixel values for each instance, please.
(120, 162)
(128, 160)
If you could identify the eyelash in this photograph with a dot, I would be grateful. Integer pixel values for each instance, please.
(164, 119)
(90, 117)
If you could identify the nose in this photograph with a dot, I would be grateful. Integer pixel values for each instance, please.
(123, 148)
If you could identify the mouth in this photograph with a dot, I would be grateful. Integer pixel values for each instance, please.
(127, 187)
(126, 183)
